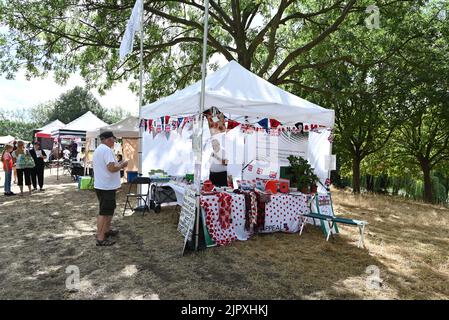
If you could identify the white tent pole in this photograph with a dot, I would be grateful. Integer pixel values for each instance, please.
(330, 153)
(86, 146)
(57, 169)
(141, 91)
(200, 119)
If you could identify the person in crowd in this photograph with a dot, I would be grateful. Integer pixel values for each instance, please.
(120, 160)
(81, 155)
(73, 150)
(66, 153)
(14, 169)
(54, 152)
(22, 173)
(37, 173)
(106, 182)
(218, 169)
(6, 159)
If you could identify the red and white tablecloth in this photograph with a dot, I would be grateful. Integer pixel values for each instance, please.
(284, 212)
(236, 229)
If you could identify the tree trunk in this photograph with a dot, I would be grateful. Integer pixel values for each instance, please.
(356, 175)
(370, 183)
(425, 166)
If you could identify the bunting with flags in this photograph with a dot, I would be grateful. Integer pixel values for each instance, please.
(264, 124)
(273, 127)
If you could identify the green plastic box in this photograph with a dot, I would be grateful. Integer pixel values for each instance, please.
(86, 183)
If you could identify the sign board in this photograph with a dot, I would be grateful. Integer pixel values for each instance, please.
(187, 216)
(258, 169)
(330, 162)
(278, 148)
(323, 205)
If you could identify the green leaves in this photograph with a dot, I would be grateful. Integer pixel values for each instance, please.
(68, 36)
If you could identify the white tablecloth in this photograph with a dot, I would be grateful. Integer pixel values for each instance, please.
(179, 189)
(284, 212)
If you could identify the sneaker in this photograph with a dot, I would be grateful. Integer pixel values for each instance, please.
(105, 243)
(111, 233)
(12, 194)
(42, 189)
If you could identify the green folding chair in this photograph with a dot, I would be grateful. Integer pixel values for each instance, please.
(322, 213)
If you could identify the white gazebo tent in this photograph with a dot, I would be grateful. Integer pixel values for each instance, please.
(77, 129)
(45, 131)
(242, 96)
(4, 140)
(236, 91)
(43, 135)
(126, 129)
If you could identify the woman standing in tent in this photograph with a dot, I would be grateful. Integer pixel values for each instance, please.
(219, 165)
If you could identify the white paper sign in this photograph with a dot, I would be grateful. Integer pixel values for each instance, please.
(330, 162)
(187, 217)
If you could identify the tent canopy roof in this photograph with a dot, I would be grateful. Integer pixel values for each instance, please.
(79, 126)
(87, 121)
(54, 125)
(235, 91)
(126, 128)
(6, 139)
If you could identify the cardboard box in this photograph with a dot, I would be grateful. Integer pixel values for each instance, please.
(284, 185)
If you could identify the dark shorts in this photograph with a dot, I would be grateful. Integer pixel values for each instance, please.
(106, 198)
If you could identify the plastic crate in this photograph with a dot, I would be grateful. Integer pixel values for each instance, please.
(86, 183)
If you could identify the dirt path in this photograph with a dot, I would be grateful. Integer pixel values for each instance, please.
(45, 233)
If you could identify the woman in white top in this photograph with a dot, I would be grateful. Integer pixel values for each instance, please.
(219, 165)
(66, 153)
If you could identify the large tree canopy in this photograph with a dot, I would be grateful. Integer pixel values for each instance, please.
(278, 40)
(377, 80)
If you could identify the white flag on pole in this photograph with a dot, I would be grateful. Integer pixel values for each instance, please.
(133, 26)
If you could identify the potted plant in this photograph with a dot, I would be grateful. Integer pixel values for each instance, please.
(313, 182)
(302, 173)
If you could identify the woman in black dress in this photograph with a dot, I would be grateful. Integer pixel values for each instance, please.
(37, 173)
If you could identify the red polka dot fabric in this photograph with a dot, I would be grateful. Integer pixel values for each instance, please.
(282, 214)
(222, 230)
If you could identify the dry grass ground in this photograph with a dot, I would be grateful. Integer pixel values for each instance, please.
(43, 234)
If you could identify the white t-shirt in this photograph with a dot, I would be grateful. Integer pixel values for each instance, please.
(217, 165)
(103, 178)
(66, 154)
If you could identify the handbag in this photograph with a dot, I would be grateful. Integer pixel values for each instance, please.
(25, 161)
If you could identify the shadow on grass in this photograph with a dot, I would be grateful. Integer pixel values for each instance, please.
(46, 233)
